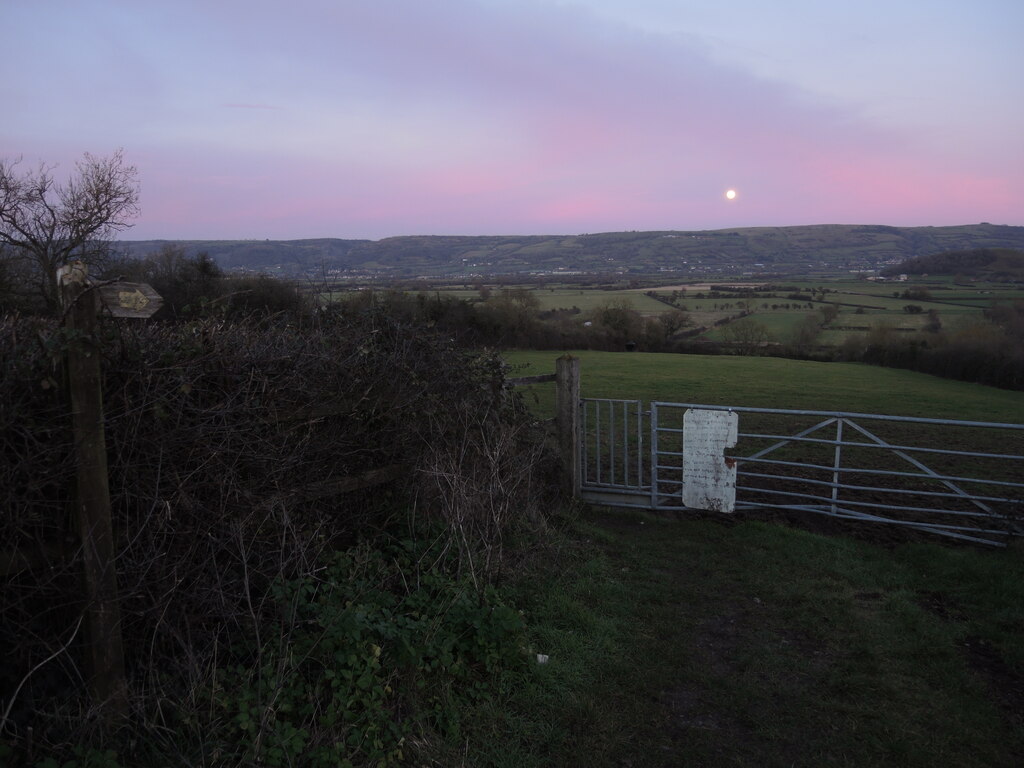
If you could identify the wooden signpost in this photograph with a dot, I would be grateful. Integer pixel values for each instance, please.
(137, 300)
(82, 301)
(567, 420)
(567, 416)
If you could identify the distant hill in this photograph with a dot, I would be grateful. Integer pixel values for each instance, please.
(289, 256)
(753, 250)
(996, 264)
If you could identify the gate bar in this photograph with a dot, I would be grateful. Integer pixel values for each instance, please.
(895, 448)
(872, 504)
(903, 491)
(865, 471)
(846, 415)
(654, 455)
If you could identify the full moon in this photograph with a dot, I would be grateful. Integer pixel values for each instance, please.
(731, 194)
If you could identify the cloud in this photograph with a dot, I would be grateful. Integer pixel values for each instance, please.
(253, 106)
(396, 116)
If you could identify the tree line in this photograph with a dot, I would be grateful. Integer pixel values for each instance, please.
(272, 611)
(45, 224)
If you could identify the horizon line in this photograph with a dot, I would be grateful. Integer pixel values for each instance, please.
(555, 234)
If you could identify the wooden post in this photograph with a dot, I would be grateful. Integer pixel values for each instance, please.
(105, 650)
(567, 419)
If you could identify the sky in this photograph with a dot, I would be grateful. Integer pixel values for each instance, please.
(375, 118)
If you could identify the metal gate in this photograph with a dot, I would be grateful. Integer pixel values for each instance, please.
(962, 479)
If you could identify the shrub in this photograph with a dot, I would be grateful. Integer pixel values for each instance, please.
(371, 631)
(195, 286)
(226, 441)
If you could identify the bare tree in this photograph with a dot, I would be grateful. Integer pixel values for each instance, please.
(806, 331)
(747, 336)
(674, 320)
(45, 224)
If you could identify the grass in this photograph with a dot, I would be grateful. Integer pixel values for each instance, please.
(954, 305)
(593, 299)
(739, 641)
(780, 324)
(585, 299)
(766, 382)
(700, 642)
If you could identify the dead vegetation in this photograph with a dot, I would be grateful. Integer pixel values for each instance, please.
(241, 454)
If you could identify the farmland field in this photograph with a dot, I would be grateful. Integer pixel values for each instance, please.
(767, 382)
(585, 299)
(588, 299)
(754, 643)
(690, 642)
(770, 383)
(862, 304)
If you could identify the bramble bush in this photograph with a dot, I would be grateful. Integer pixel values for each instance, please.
(224, 439)
(375, 630)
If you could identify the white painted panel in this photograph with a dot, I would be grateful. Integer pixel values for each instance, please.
(709, 481)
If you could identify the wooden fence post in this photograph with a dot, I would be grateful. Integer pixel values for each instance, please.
(105, 648)
(567, 419)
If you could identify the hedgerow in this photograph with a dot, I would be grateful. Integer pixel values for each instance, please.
(229, 445)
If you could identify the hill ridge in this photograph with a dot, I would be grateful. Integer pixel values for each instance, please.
(730, 251)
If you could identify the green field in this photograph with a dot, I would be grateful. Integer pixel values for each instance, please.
(698, 642)
(710, 641)
(585, 299)
(767, 382)
(862, 304)
(588, 299)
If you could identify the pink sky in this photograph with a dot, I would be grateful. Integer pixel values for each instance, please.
(373, 118)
